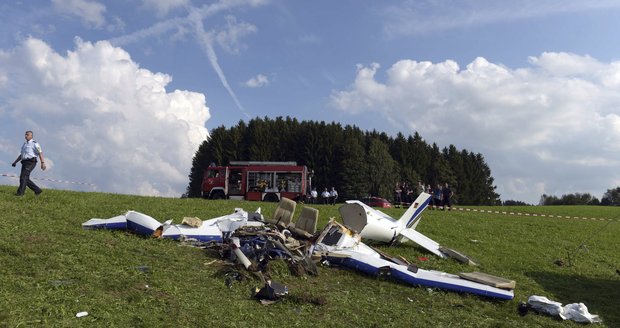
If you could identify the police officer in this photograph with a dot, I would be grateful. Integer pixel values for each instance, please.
(28, 156)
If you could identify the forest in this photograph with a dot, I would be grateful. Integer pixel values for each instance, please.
(357, 163)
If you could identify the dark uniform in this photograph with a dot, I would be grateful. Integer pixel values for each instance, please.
(28, 156)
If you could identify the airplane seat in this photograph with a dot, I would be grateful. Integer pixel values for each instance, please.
(283, 214)
(306, 223)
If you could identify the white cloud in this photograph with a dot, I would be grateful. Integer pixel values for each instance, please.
(229, 37)
(91, 12)
(424, 16)
(551, 126)
(258, 81)
(101, 118)
(117, 25)
(163, 7)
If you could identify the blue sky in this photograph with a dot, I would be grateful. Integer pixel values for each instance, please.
(131, 88)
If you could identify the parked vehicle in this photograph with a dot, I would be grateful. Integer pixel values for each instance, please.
(251, 180)
(376, 202)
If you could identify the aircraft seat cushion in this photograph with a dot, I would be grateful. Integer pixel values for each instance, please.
(308, 220)
(283, 214)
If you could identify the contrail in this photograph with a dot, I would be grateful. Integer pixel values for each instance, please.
(204, 39)
(206, 42)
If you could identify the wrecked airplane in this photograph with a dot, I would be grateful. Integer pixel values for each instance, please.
(341, 245)
(374, 225)
(252, 240)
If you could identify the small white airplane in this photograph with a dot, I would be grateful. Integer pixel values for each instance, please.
(373, 224)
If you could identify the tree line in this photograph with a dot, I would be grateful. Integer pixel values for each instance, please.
(358, 163)
(611, 197)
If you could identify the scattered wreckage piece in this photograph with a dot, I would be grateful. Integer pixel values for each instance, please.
(215, 229)
(241, 237)
(577, 312)
(449, 252)
(341, 245)
(115, 223)
(271, 293)
(372, 224)
(488, 279)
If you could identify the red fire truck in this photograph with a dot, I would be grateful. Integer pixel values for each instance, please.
(266, 181)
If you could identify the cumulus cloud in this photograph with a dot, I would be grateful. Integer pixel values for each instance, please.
(100, 117)
(91, 12)
(545, 128)
(258, 81)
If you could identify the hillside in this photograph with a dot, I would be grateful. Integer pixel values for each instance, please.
(53, 269)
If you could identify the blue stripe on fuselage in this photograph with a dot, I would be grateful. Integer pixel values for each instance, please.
(403, 277)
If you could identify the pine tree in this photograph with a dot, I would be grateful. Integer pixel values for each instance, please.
(381, 169)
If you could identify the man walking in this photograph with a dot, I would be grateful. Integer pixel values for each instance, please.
(28, 157)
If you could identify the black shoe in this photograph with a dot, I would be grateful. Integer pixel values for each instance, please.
(38, 193)
(19, 195)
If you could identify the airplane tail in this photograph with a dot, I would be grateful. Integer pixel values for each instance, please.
(411, 217)
(410, 220)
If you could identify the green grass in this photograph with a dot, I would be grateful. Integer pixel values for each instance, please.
(52, 269)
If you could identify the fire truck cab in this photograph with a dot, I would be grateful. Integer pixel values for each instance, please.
(252, 180)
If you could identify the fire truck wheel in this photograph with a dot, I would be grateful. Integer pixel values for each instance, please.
(218, 195)
(271, 197)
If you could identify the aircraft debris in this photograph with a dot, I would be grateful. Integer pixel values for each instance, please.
(192, 222)
(253, 241)
(577, 312)
(271, 292)
(374, 225)
(343, 246)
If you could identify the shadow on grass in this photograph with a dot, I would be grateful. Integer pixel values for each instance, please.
(599, 295)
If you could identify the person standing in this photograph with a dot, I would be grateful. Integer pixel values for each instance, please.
(437, 193)
(397, 194)
(333, 195)
(28, 157)
(421, 189)
(313, 196)
(325, 195)
(446, 197)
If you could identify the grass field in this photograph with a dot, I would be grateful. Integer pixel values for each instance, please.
(52, 269)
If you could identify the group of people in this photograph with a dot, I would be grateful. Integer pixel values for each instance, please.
(441, 195)
(327, 197)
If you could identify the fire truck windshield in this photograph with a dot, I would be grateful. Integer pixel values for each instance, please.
(213, 173)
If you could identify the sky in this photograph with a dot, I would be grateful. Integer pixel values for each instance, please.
(121, 93)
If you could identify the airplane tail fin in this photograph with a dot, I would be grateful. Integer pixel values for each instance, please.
(412, 216)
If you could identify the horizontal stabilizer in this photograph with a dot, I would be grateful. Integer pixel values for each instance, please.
(489, 280)
(457, 256)
(420, 239)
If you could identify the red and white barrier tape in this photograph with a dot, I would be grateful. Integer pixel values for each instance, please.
(530, 214)
(53, 180)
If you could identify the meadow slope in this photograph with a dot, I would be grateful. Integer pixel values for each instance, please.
(52, 269)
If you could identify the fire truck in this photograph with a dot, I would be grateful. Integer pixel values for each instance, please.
(252, 180)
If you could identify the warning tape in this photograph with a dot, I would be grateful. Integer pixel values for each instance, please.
(53, 180)
(531, 214)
